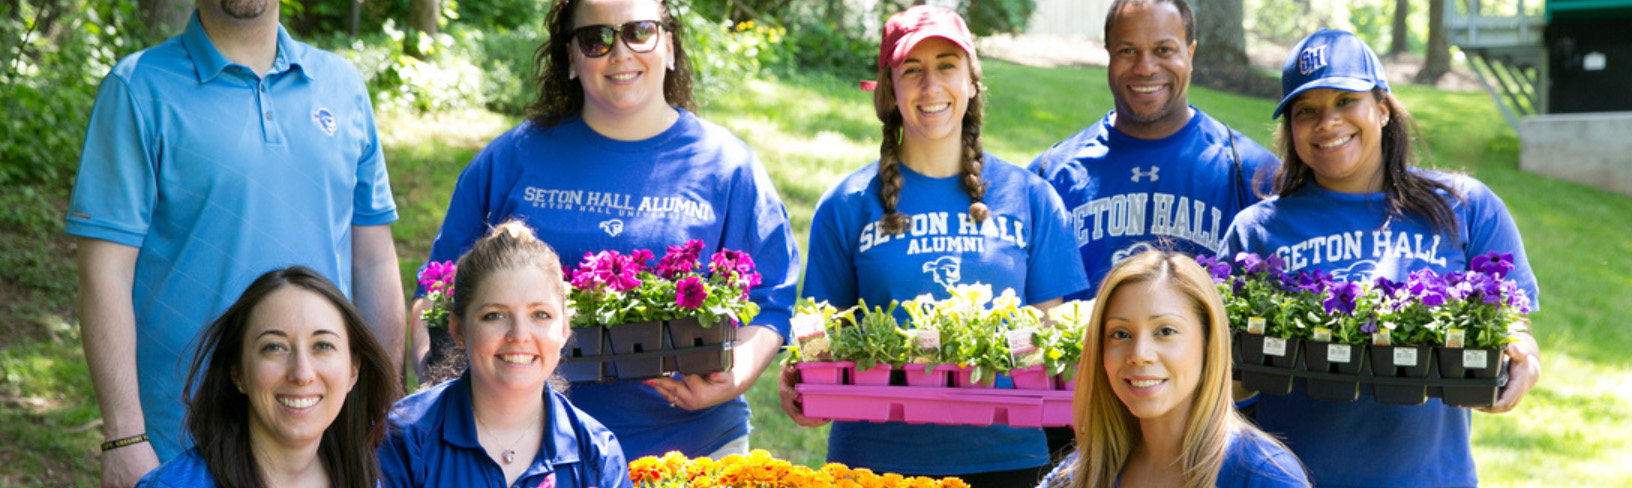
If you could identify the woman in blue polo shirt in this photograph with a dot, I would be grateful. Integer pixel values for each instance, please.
(1352, 203)
(290, 390)
(500, 424)
(920, 220)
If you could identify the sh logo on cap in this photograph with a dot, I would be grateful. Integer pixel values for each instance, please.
(1311, 59)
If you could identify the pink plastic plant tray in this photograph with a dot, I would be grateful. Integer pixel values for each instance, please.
(946, 406)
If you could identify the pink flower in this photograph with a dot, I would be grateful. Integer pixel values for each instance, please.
(690, 292)
(680, 260)
(607, 269)
(437, 275)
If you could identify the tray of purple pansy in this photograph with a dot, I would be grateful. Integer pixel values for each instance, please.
(1398, 375)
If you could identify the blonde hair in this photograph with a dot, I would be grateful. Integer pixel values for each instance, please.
(1107, 432)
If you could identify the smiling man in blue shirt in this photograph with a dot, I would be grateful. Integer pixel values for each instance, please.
(224, 152)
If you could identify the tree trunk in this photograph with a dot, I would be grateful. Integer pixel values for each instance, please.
(1438, 60)
(422, 17)
(1400, 42)
(165, 18)
(1220, 37)
(356, 17)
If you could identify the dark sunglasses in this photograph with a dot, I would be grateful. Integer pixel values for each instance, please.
(639, 36)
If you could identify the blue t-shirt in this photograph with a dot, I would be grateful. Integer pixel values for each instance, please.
(584, 192)
(1024, 245)
(1127, 194)
(1250, 461)
(184, 471)
(1350, 236)
(433, 443)
(218, 176)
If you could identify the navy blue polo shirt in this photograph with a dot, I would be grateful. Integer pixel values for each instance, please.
(433, 442)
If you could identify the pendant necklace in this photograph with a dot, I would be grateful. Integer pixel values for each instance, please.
(509, 455)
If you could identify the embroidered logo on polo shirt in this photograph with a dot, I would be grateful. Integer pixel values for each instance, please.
(945, 270)
(324, 120)
(612, 227)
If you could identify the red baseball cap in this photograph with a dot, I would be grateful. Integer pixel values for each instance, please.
(904, 30)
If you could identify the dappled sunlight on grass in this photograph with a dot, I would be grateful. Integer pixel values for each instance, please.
(1572, 430)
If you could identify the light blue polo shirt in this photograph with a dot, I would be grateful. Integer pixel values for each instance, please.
(218, 176)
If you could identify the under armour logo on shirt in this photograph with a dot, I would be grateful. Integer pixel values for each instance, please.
(945, 270)
(612, 227)
(1146, 174)
(324, 120)
(1311, 59)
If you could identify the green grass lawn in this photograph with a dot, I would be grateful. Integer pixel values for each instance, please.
(810, 131)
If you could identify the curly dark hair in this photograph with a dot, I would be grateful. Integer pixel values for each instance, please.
(218, 414)
(561, 98)
(889, 152)
(1409, 192)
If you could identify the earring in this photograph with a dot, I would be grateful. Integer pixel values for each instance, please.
(572, 73)
(671, 64)
(1385, 122)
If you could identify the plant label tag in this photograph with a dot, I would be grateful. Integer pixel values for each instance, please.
(1323, 334)
(1405, 357)
(1020, 340)
(1474, 359)
(807, 326)
(1337, 353)
(1255, 325)
(927, 339)
(1381, 338)
(1453, 338)
(1274, 346)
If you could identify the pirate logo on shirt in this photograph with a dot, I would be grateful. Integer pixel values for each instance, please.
(1358, 272)
(1131, 251)
(324, 120)
(945, 270)
(612, 227)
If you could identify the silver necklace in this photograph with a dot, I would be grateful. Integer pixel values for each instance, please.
(509, 454)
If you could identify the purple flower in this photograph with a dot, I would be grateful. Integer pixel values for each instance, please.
(1340, 298)
(690, 292)
(1370, 327)
(1495, 263)
(1428, 287)
(1220, 271)
(1252, 263)
(1313, 281)
(1387, 286)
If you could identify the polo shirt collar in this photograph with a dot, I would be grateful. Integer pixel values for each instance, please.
(208, 62)
(459, 424)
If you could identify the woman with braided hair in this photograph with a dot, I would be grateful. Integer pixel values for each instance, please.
(925, 217)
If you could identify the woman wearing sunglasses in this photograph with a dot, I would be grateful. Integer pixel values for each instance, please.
(936, 211)
(612, 158)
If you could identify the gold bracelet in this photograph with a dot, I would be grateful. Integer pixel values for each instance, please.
(123, 441)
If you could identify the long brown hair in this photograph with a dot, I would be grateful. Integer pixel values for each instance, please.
(561, 98)
(889, 152)
(1409, 192)
(1107, 432)
(218, 414)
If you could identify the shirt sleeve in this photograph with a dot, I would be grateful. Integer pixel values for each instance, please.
(371, 199)
(1490, 227)
(466, 219)
(395, 458)
(1055, 263)
(116, 187)
(614, 468)
(761, 229)
(830, 275)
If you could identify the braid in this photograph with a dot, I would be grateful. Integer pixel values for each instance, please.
(974, 156)
(889, 177)
(889, 154)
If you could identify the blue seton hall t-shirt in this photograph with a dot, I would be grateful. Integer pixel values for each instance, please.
(1127, 194)
(1351, 237)
(1023, 245)
(586, 193)
(217, 176)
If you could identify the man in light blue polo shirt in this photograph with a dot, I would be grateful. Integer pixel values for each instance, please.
(224, 152)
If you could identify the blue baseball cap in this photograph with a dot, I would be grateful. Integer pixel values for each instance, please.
(1329, 59)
